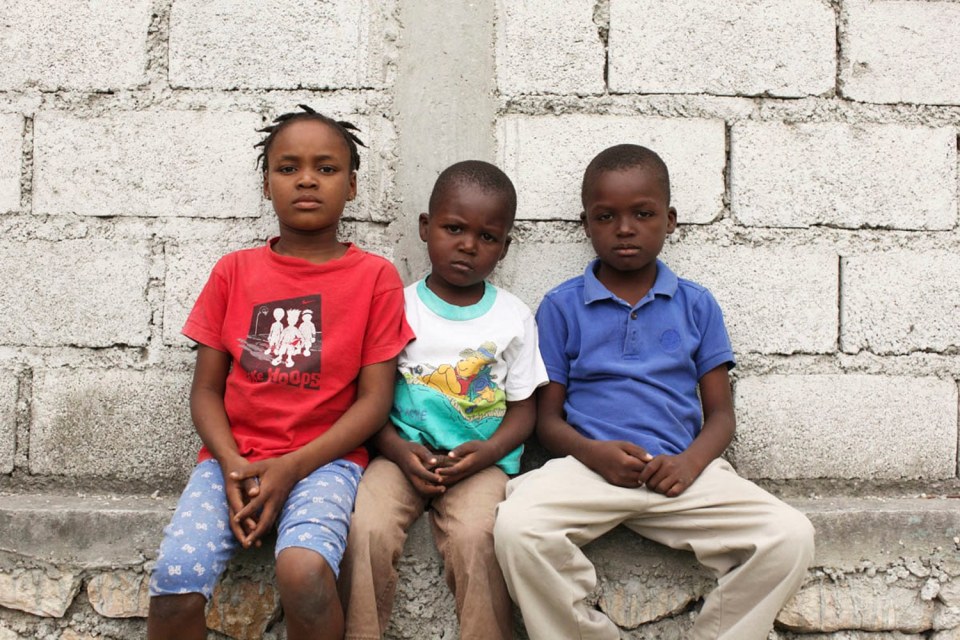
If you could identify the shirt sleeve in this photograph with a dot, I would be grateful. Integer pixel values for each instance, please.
(715, 348)
(525, 368)
(553, 332)
(387, 331)
(205, 323)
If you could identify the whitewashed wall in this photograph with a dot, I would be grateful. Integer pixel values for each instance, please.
(813, 147)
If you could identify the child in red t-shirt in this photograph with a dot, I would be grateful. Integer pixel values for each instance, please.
(297, 346)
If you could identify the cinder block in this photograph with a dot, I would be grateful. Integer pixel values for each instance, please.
(846, 426)
(112, 423)
(901, 52)
(774, 299)
(901, 301)
(90, 46)
(375, 179)
(188, 267)
(11, 152)
(737, 47)
(277, 44)
(549, 47)
(87, 293)
(8, 419)
(852, 176)
(530, 270)
(162, 163)
(546, 155)
(372, 238)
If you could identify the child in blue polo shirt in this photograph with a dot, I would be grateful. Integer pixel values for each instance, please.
(639, 408)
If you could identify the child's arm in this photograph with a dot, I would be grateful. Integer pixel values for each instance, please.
(475, 455)
(617, 461)
(672, 475)
(414, 459)
(278, 475)
(210, 419)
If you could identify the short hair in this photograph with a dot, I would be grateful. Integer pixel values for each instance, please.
(479, 173)
(625, 156)
(345, 129)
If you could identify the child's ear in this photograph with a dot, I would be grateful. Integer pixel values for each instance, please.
(671, 220)
(424, 224)
(266, 187)
(353, 186)
(506, 245)
(583, 222)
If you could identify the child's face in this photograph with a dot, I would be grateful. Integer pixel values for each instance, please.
(309, 178)
(466, 233)
(627, 218)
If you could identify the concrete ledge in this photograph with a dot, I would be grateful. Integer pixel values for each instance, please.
(884, 567)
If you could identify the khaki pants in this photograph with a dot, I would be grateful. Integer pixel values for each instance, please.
(758, 547)
(462, 521)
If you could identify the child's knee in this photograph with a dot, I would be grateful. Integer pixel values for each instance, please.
(473, 540)
(510, 530)
(365, 525)
(793, 546)
(306, 582)
(374, 535)
(801, 535)
(186, 573)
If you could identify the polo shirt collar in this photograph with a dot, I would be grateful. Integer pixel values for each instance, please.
(593, 289)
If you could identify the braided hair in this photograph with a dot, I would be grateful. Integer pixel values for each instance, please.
(345, 129)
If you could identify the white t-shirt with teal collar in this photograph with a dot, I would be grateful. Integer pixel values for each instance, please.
(455, 379)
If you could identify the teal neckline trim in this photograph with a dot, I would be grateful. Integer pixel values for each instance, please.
(449, 311)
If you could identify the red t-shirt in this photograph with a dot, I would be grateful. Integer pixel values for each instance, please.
(297, 333)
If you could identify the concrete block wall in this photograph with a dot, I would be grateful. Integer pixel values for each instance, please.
(813, 150)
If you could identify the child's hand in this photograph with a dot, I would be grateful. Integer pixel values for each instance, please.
(619, 462)
(670, 475)
(276, 479)
(238, 494)
(466, 460)
(418, 464)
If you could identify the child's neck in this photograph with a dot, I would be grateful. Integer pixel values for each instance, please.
(458, 296)
(312, 248)
(629, 286)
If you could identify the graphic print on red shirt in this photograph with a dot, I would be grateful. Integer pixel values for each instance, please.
(283, 343)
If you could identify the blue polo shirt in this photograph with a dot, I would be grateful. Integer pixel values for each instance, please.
(632, 373)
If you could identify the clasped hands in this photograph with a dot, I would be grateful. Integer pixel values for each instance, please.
(256, 492)
(625, 464)
(431, 473)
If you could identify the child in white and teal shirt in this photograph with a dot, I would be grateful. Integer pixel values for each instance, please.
(455, 381)
(462, 408)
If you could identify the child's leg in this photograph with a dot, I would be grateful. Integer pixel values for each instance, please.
(196, 547)
(179, 616)
(547, 516)
(308, 592)
(387, 504)
(758, 547)
(311, 536)
(463, 527)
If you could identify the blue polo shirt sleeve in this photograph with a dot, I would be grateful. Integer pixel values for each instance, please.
(714, 349)
(554, 333)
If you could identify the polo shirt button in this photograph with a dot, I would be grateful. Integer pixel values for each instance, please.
(633, 316)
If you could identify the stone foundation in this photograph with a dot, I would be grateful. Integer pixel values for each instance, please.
(76, 567)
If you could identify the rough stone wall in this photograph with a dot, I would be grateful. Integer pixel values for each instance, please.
(813, 147)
